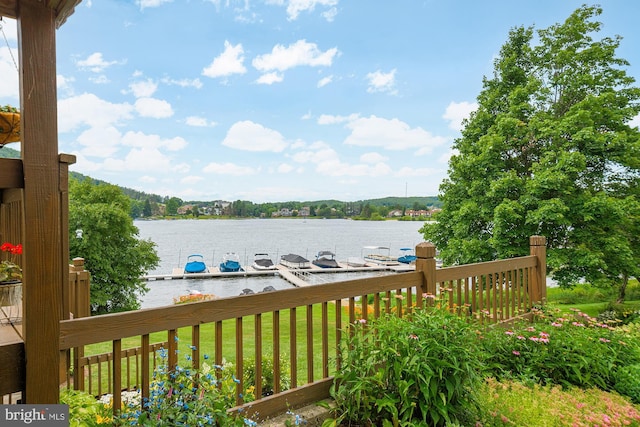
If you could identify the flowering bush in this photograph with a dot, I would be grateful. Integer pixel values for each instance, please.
(418, 370)
(186, 396)
(9, 270)
(564, 350)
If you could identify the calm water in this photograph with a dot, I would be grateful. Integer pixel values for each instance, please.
(176, 240)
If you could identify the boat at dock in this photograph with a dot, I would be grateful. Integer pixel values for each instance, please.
(262, 262)
(195, 264)
(230, 263)
(408, 256)
(294, 261)
(379, 255)
(326, 259)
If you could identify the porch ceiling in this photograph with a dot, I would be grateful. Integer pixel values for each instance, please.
(62, 8)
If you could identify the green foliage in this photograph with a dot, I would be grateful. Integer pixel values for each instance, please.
(108, 242)
(511, 403)
(417, 370)
(85, 410)
(549, 151)
(249, 374)
(567, 351)
(186, 396)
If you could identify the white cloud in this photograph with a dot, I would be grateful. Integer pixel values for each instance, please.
(144, 88)
(100, 80)
(192, 179)
(328, 163)
(326, 119)
(199, 122)
(391, 134)
(409, 172)
(382, 82)
(151, 3)
(155, 142)
(154, 108)
(89, 110)
(330, 15)
(373, 158)
(458, 111)
(294, 7)
(270, 78)
(285, 168)
(95, 63)
(229, 169)
(227, 63)
(250, 136)
(147, 178)
(325, 81)
(196, 83)
(297, 54)
(100, 142)
(635, 122)
(63, 83)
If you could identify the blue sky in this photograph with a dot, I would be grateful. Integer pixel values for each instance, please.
(278, 100)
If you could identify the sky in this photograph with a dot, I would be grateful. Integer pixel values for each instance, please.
(281, 100)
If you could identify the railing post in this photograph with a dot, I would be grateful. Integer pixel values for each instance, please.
(80, 307)
(426, 262)
(538, 248)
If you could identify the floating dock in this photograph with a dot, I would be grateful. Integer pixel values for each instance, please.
(280, 270)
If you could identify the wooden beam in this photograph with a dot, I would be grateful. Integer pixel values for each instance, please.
(11, 175)
(12, 372)
(9, 8)
(43, 257)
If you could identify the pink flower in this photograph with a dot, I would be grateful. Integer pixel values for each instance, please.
(516, 352)
(520, 337)
(413, 336)
(604, 340)
(361, 321)
(556, 324)
(509, 332)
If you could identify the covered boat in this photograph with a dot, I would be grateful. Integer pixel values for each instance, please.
(230, 263)
(294, 261)
(326, 259)
(262, 262)
(379, 255)
(195, 264)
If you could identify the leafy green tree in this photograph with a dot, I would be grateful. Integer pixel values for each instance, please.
(549, 151)
(108, 242)
(172, 205)
(146, 210)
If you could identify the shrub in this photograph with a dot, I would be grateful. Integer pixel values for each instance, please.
(628, 382)
(85, 410)
(508, 403)
(249, 374)
(186, 396)
(413, 371)
(576, 351)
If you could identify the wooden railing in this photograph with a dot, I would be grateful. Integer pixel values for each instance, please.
(302, 325)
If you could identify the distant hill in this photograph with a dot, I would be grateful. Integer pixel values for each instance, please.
(9, 153)
(407, 202)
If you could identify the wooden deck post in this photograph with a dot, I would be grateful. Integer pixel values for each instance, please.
(538, 248)
(42, 237)
(426, 262)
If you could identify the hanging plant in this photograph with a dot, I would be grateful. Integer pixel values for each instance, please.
(9, 125)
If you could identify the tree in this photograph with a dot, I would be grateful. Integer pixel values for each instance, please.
(172, 205)
(549, 151)
(108, 242)
(146, 210)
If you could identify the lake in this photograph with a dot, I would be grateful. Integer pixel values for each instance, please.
(176, 239)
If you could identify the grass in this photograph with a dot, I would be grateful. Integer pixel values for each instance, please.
(208, 338)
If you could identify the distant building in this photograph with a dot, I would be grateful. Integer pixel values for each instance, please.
(396, 213)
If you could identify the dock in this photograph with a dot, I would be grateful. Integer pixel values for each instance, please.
(280, 270)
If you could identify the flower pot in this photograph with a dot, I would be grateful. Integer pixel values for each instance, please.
(9, 127)
(11, 302)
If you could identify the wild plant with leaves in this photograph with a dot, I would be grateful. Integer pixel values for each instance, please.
(417, 370)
